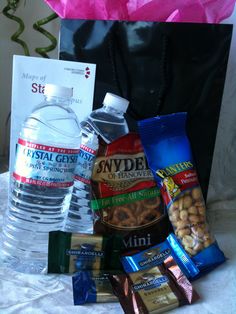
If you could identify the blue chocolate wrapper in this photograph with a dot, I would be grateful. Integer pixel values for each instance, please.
(84, 288)
(157, 254)
(92, 287)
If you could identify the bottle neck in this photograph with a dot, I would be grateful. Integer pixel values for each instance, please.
(65, 101)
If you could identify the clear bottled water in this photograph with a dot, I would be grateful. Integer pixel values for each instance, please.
(109, 121)
(110, 124)
(79, 217)
(41, 184)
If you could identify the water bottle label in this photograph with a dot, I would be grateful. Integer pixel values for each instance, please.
(84, 166)
(43, 165)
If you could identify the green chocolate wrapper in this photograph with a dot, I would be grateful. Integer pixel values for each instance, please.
(72, 252)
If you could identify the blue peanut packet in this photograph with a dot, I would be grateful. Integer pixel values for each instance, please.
(169, 155)
(92, 287)
(157, 254)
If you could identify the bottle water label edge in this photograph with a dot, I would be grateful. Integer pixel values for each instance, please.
(44, 165)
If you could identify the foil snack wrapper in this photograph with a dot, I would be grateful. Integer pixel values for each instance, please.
(72, 252)
(154, 290)
(92, 287)
(156, 254)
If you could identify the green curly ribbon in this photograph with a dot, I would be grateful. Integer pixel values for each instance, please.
(37, 26)
(12, 6)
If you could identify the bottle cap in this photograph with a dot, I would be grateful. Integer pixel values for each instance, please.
(116, 102)
(58, 91)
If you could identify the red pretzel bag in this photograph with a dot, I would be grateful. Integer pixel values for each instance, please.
(126, 201)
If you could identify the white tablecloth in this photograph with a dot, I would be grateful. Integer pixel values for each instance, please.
(52, 294)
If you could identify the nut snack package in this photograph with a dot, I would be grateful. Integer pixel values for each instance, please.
(72, 252)
(156, 254)
(126, 201)
(169, 155)
(92, 287)
(153, 290)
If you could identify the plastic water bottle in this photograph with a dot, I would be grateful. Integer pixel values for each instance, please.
(110, 124)
(79, 217)
(42, 181)
(109, 121)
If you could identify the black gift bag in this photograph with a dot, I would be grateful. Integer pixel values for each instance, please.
(161, 68)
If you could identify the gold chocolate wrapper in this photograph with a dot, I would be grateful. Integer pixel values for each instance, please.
(72, 252)
(155, 290)
(103, 287)
(89, 248)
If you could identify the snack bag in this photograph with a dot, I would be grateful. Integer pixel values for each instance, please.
(153, 290)
(169, 156)
(126, 201)
(92, 287)
(156, 254)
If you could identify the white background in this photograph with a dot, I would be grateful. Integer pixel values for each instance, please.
(222, 188)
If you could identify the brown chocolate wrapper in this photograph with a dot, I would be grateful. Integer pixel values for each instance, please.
(156, 290)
